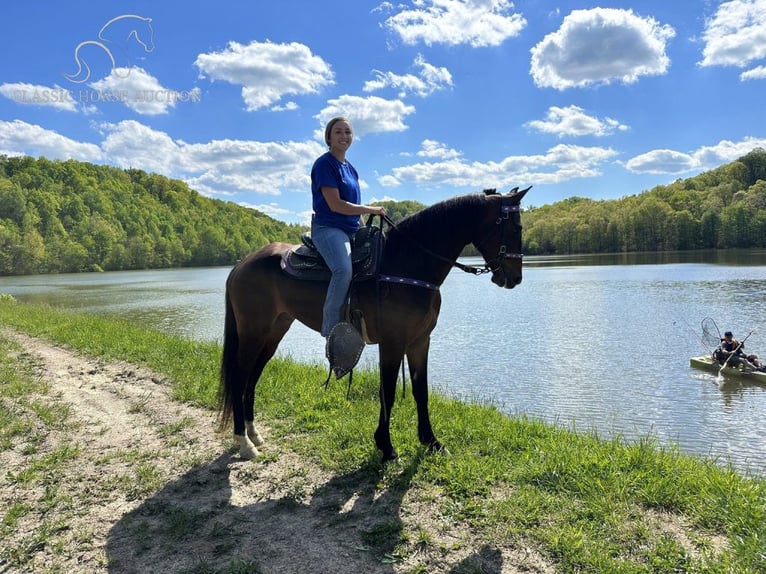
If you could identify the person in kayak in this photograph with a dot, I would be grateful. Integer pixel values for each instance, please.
(732, 353)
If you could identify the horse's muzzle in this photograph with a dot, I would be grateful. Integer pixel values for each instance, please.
(502, 280)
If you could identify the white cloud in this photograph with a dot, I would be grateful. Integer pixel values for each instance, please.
(666, 161)
(662, 161)
(560, 163)
(598, 46)
(758, 73)
(573, 121)
(132, 144)
(367, 115)
(218, 167)
(429, 80)
(474, 22)
(35, 140)
(235, 166)
(34, 95)
(388, 181)
(438, 150)
(215, 168)
(736, 34)
(286, 107)
(270, 209)
(140, 91)
(266, 71)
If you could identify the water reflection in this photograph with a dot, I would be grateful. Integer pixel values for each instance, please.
(583, 341)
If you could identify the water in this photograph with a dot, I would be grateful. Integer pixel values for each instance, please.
(597, 343)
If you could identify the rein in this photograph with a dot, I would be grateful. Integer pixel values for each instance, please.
(505, 214)
(461, 266)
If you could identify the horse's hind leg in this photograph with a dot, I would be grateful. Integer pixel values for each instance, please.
(250, 439)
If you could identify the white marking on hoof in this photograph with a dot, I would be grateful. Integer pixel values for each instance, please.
(247, 449)
(253, 434)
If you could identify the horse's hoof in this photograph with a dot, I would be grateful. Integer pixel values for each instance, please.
(248, 454)
(253, 434)
(247, 449)
(390, 456)
(436, 446)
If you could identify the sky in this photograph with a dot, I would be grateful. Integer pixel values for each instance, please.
(577, 98)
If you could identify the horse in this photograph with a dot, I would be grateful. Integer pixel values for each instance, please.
(400, 307)
(105, 44)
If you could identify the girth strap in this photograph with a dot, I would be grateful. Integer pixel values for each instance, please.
(408, 281)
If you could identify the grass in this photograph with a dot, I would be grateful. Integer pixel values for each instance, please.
(584, 503)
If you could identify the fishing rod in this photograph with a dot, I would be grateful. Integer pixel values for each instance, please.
(696, 336)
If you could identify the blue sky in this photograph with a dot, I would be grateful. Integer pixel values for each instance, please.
(598, 100)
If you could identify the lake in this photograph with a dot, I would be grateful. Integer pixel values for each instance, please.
(590, 342)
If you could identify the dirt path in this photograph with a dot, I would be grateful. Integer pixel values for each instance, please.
(133, 481)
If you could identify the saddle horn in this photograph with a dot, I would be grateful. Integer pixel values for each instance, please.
(492, 191)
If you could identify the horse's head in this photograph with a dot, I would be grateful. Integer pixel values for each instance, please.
(130, 26)
(499, 236)
(144, 35)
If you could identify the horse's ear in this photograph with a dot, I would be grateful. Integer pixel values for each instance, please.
(519, 194)
(490, 191)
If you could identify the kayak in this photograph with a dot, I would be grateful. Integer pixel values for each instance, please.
(706, 363)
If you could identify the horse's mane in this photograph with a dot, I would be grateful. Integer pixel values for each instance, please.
(449, 215)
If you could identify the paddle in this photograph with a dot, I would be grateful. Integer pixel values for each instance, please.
(732, 353)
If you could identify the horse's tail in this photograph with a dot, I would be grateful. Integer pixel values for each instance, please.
(81, 76)
(229, 366)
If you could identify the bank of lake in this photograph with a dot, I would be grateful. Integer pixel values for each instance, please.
(586, 504)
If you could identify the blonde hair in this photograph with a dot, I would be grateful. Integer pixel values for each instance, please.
(330, 124)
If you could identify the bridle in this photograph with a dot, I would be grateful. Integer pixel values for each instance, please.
(504, 219)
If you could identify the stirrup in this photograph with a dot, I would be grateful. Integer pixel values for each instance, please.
(343, 349)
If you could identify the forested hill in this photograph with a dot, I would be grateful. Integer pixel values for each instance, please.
(719, 209)
(69, 216)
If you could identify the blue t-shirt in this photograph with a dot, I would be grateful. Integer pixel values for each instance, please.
(329, 172)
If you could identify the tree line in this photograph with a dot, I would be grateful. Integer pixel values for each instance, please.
(70, 216)
(719, 209)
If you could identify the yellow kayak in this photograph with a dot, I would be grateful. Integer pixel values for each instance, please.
(706, 363)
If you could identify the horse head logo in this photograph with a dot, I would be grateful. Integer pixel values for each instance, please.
(138, 28)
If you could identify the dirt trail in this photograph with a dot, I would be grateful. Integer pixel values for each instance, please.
(138, 482)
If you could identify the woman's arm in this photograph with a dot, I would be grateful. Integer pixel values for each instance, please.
(338, 205)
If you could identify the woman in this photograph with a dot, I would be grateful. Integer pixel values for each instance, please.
(336, 199)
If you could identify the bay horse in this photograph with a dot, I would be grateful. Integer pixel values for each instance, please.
(400, 307)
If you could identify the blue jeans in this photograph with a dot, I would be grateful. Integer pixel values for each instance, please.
(334, 245)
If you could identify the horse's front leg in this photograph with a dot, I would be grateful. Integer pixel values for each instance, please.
(390, 359)
(417, 358)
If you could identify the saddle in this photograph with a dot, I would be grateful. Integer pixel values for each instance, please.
(304, 261)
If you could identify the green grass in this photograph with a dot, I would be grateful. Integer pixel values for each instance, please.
(584, 503)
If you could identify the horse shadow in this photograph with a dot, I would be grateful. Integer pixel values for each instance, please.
(198, 523)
